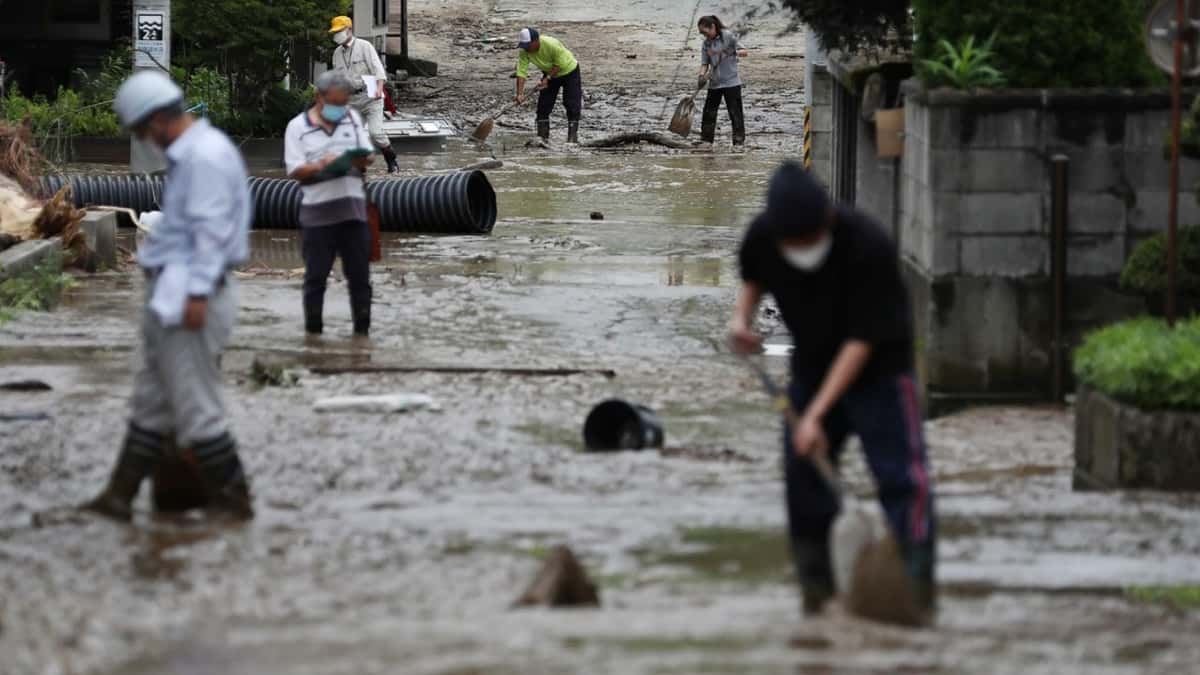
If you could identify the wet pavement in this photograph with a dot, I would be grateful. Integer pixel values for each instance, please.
(396, 543)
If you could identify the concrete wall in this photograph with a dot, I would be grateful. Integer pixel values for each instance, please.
(820, 125)
(971, 213)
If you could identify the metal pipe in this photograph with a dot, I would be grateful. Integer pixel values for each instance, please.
(1060, 198)
(404, 32)
(456, 203)
(1182, 31)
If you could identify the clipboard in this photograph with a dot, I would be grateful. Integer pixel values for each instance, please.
(342, 165)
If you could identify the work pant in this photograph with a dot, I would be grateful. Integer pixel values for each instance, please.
(571, 85)
(177, 388)
(371, 110)
(884, 414)
(352, 241)
(733, 105)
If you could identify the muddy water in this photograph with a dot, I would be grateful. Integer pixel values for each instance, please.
(395, 543)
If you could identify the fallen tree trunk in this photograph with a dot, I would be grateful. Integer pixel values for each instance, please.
(639, 137)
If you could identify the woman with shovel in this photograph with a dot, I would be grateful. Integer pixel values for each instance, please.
(835, 276)
(719, 67)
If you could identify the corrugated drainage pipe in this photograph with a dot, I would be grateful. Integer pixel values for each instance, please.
(455, 203)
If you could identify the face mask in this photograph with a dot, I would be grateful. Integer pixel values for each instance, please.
(341, 36)
(333, 113)
(808, 258)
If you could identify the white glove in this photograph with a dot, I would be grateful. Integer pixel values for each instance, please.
(149, 219)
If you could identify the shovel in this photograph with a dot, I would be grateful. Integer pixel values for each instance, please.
(484, 129)
(868, 567)
(681, 121)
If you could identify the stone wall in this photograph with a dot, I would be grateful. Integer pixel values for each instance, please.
(1120, 446)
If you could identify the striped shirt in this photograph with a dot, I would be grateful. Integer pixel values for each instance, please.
(333, 200)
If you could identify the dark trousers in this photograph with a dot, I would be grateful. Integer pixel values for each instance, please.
(733, 105)
(572, 91)
(352, 241)
(884, 414)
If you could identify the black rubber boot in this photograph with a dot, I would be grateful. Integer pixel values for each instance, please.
(389, 156)
(543, 129)
(362, 324)
(815, 569)
(573, 132)
(220, 469)
(313, 325)
(140, 453)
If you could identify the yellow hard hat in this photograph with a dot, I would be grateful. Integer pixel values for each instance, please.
(340, 23)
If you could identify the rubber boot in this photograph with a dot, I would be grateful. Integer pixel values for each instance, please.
(220, 469)
(573, 132)
(389, 156)
(543, 129)
(313, 325)
(140, 453)
(815, 570)
(362, 321)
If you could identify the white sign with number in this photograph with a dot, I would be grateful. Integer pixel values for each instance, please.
(152, 33)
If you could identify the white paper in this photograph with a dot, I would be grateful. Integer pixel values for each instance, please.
(371, 81)
(170, 294)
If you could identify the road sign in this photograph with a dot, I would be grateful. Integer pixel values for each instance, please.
(152, 33)
(1161, 29)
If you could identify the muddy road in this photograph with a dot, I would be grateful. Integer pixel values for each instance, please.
(396, 543)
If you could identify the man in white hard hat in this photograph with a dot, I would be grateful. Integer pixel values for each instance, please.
(190, 304)
(358, 58)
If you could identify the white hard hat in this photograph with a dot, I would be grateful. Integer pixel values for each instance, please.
(145, 92)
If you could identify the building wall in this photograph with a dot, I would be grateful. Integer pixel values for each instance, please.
(971, 213)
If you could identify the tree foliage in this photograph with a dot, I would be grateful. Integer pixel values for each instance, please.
(250, 41)
(854, 25)
(1067, 43)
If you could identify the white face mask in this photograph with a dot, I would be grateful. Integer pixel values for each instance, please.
(810, 257)
(341, 36)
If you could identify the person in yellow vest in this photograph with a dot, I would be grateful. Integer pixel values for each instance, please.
(560, 71)
(356, 58)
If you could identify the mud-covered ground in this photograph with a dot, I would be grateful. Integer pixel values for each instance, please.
(396, 543)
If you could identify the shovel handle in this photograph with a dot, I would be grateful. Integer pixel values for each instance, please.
(819, 460)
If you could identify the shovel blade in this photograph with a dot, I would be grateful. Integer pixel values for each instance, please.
(483, 130)
(681, 121)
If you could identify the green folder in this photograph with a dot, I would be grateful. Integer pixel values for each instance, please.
(341, 166)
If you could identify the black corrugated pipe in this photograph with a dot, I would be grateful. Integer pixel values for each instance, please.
(454, 203)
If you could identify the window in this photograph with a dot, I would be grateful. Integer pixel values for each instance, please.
(381, 12)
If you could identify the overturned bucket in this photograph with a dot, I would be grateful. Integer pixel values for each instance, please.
(619, 425)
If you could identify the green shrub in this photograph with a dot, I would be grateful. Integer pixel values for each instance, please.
(964, 67)
(37, 291)
(1068, 43)
(1144, 363)
(1146, 269)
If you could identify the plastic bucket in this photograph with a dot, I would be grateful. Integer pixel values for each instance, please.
(619, 425)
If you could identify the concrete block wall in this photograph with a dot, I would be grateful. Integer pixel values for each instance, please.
(977, 182)
(975, 224)
(820, 99)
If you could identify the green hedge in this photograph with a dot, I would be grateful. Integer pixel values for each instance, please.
(1144, 363)
(1146, 269)
(1067, 43)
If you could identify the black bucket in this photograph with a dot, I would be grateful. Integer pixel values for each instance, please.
(618, 425)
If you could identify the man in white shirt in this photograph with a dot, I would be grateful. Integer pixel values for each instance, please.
(333, 209)
(190, 307)
(358, 58)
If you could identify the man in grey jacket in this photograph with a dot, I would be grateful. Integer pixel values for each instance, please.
(190, 303)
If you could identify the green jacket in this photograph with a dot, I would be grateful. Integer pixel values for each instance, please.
(551, 53)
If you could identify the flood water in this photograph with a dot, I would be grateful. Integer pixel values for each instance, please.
(396, 543)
